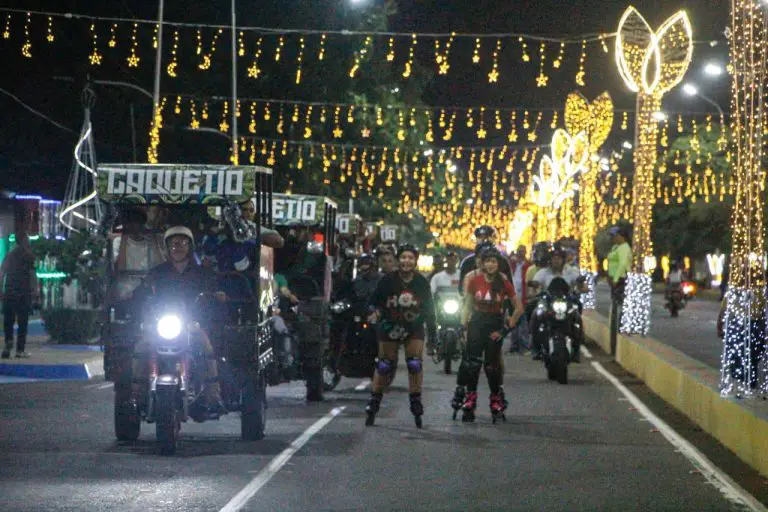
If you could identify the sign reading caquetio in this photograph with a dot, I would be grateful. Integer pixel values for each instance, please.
(175, 182)
(287, 209)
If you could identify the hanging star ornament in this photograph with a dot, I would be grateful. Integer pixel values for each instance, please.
(195, 124)
(493, 76)
(338, 132)
(133, 61)
(444, 67)
(541, 80)
(481, 133)
(365, 132)
(95, 58)
(224, 127)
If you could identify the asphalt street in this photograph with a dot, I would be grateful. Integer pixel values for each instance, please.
(694, 332)
(582, 446)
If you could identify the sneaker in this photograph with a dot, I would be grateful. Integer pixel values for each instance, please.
(22, 355)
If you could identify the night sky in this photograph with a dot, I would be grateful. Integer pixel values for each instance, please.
(36, 156)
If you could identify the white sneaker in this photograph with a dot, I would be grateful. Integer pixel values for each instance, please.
(23, 355)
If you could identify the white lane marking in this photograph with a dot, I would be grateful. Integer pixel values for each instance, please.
(107, 385)
(92, 386)
(363, 385)
(714, 475)
(586, 352)
(266, 474)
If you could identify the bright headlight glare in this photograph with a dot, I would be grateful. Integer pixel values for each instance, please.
(560, 307)
(339, 307)
(169, 327)
(451, 306)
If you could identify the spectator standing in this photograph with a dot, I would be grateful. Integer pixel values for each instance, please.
(18, 291)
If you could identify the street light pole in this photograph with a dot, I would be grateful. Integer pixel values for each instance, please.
(235, 145)
(158, 59)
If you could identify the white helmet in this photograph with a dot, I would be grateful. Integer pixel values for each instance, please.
(179, 230)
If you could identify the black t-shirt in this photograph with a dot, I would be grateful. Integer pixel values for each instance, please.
(184, 286)
(18, 268)
(408, 305)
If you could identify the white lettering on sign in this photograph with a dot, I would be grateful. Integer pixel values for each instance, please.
(294, 209)
(389, 233)
(342, 224)
(179, 182)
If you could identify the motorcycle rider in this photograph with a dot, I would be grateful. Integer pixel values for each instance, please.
(401, 304)
(182, 278)
(486, 238)
(542, 279)
(367, 279)
(448, 278)
(385, 259)
(485, 324)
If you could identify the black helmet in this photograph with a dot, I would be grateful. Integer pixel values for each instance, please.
(407, 248)
(541, 253)
(485, 232)
(491, 252)
(381, 249)
(366, 258)
(482, 246)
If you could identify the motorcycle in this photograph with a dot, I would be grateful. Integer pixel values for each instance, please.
(557, 322)
(448, 329)
(678, 296)
(353, 353)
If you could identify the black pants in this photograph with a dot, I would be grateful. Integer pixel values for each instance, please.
(482, 351)
(15, 311)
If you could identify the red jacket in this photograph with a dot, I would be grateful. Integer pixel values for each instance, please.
(523, 294)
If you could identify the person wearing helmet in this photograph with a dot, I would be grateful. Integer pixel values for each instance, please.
(542, 279)
(367, 279)
(386, 259)
(486, 323)
(400, 306)
(486, 238)
(183, 279)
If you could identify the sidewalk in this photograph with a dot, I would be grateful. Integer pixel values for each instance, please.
(694, 332)
(49, 361)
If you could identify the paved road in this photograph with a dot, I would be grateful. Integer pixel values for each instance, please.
(575, 447)
(694, 332)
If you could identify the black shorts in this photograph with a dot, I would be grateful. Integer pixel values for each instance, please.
(402, 333)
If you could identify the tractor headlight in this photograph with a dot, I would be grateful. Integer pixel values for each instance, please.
(451, 306)
(169, 327)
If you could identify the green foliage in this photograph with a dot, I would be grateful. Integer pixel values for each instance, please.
(71, 326)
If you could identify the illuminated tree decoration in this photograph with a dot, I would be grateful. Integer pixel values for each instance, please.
(745, 311)
(556, 180)
(596, 121)
(650, 63)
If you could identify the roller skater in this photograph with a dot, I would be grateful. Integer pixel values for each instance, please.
(485, 324)
(400, 306)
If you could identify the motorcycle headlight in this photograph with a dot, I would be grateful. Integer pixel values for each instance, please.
(688, 289)
(451, 306)
(169, 327)
(339, 307)
(560, 308)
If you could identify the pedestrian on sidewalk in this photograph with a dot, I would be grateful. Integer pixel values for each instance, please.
(18, 291)
(619, 265)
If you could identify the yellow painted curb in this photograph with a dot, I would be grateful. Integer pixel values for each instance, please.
(692, 388)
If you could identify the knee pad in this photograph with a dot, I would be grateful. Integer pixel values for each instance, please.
(472, 364)
(414, 365)
(385, 367)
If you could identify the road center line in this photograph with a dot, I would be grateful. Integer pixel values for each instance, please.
(266, 474)
(714, 475)
(107, 385)
(363, 385)
(586, 351)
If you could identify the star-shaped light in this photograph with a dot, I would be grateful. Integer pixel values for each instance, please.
(112, 43)
(556, 64)
(365, 132)
(6, 35)
(271, 161)
(338, 132)
(526, 57)
(254, 71)
(390, 57)
(224, 127)
(512, 137)
(481, 133)
(532, 137)
(444, 67)
(195, 124)
(493, 76)
(50, 38)
(95, 58)
(541, 80)
(133, 61)
(475, 59)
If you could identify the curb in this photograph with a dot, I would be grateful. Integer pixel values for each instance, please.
(80, 371)
(692, 388)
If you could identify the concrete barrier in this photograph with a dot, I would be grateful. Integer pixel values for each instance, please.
(692, 388)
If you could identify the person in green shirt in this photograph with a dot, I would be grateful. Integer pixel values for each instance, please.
(619, 259)
(282, 286)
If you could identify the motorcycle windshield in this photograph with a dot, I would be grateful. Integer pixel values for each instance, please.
(559, 287)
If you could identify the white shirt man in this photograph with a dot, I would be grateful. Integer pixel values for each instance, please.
(545, 276)
(445, 280)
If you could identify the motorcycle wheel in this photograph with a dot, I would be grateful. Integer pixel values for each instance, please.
(127, 419)
(253, 419)
(167, 424)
